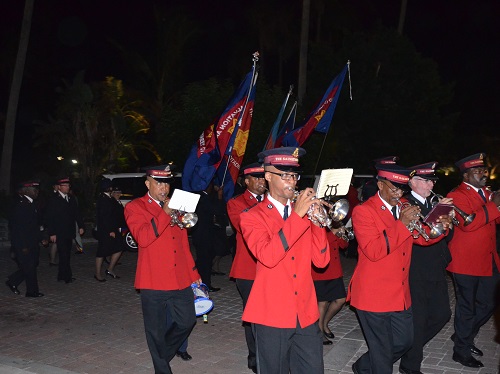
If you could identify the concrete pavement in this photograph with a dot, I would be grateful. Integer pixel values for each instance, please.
(96, 328)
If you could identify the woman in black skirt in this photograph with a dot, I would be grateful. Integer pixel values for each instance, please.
(329, 285)
(110, 221)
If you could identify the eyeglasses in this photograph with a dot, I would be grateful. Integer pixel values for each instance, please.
(395, 190)
(286, 176)
(479, 170)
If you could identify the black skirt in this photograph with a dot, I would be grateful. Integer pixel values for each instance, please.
(329, 290)
(109, 245)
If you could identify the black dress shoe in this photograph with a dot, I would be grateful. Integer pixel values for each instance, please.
(475, 350)
(470, 361)
(184, 355)
(329, 335)
(70, 280)
(253, 368)
(355, 369)
(34, 294)
(112, 275)
(53, 264)
(404, 370)
(214, 289)
(327, 342)
(99, 280)
(12, 287)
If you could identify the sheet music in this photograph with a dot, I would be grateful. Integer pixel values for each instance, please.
(183, 200)
(334, 182)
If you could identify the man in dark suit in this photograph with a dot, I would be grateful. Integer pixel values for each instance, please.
(428, 282)
(25, 236)
(475, 263)
(61, 215)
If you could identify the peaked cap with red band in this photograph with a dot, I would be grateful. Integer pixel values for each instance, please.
(396, 174)
(283, 158)
(474, 161)
(255, 170)
(386, 160)
(28, 184)
(64, 180)
(425, 171)
(163, 174)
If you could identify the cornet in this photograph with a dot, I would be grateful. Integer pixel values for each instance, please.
(468, 218)
(183, 219)
(416, 224)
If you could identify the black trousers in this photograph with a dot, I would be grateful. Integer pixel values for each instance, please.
(205, 254)
(430, 304)
(388, 335)
(474, 307)
(164, 342)
(279, 350)
(244, 287)
(64, 250)
(27, 261)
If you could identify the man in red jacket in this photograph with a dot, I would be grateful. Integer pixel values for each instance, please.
(379, 288)
(165, 270)
(244, 263)
(475, 261)
(282, 303)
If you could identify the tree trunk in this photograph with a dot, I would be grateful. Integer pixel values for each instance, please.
(304, 36)
(402, 16)
(15, 89)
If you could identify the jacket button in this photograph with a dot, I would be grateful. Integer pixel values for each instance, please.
(293, 258)
(403, 269)
(295, 292)
(295, 275)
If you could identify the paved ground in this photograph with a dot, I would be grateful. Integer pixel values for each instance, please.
(96, 328)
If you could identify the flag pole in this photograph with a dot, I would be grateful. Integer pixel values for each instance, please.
(275, 127)
(255, 59)
(324, 139)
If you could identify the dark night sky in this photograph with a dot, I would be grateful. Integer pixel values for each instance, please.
(71, 35)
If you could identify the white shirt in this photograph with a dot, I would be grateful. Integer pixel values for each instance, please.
(279, 206)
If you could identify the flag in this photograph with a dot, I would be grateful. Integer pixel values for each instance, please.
(206, 154)
(288, 126)
(321, 117)
(230, 166)
(273, 135)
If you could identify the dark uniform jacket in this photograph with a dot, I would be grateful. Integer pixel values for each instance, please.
(61, 215)
(429, 262)
(24, 225)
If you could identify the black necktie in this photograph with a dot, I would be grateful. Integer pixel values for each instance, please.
(395, 212)
(480, 191)
(259, 198)
(285, 213)
(162, 203)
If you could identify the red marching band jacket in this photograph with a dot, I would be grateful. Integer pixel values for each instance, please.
(244, 262)
(164, 258)
(380, 279)
(283, 290)
(334, 269)
(473, 247)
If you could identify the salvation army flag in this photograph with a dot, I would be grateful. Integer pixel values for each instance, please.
(321, 117)
(273, 135)
(229, 168)
(206, 154)
(287, 127)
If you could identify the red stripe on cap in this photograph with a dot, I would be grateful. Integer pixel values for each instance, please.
(160, 173)
(253, 170)
(424, 171)
(281, 160)
(393, 177)
(473, 163)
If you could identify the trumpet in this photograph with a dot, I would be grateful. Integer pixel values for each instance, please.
(183, 219)
(318, 213)
(344, 232)
(468, 218)
(416, 224)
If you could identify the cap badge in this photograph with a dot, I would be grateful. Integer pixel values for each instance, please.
(296, 153)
